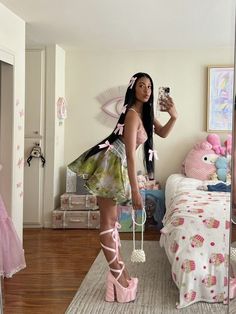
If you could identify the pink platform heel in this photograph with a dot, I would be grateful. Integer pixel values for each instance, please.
(132, 280)
(114, 290)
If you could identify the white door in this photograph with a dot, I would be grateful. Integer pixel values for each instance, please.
(34, 135)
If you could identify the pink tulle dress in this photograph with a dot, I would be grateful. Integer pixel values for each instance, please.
(12, 257)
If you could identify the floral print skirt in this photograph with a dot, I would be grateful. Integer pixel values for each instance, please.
(106, 172)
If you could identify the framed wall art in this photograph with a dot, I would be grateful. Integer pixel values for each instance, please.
(220, 98)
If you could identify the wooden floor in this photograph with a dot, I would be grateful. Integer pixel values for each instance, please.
(57, 261)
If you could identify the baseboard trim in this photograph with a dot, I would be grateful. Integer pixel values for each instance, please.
(29, 225)
(47, 224)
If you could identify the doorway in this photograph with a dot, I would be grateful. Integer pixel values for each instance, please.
(6, 133)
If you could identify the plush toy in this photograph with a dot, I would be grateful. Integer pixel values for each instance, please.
(228, 145)
(200, 161)
(141, 181)
(214, 140)
(213, 176)
(209, 160)
(221, 164)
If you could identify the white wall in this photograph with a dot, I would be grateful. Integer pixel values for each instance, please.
(12, 42)
(54, 177)
(59, 166)
(88, 74)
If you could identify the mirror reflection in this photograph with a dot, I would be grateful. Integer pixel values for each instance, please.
(186, 236)
(232, 306)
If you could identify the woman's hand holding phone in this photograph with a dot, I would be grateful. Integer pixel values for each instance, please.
(165, 102)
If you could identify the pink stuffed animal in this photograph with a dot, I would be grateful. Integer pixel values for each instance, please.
(214, 140)
(228, 145)
(200, 161)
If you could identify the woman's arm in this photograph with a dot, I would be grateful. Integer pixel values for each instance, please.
(129, 137)
(164, 130)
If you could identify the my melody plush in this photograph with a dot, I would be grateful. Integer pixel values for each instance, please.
(208, 160)
(199, 162)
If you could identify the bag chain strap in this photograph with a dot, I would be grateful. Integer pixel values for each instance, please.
(144, 216)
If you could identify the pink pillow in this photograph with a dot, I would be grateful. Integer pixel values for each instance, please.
(200, 161)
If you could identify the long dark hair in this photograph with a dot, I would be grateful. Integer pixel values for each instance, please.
(147, 119)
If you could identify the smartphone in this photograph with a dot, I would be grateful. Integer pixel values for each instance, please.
(163, 92)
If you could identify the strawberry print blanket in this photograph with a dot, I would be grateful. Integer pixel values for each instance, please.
(196, 239)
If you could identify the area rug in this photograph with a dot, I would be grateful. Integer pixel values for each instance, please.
(232, 306)
(156, 292)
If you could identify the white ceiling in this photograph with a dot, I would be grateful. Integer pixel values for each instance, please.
(127, 24)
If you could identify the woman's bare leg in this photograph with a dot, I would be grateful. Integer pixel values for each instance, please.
(108, 218)
(125, 271)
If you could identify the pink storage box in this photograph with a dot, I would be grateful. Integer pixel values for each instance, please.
(71, 201)
(83, 219)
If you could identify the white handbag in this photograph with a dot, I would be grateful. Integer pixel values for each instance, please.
(138, 255)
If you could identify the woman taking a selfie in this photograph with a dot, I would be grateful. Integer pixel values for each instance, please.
(110, 167)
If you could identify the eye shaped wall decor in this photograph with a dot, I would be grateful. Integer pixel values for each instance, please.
(112, 100)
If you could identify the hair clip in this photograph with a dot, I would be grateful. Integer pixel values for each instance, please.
(152, 153)
(119, 129)
(132, 81)
(106, 144)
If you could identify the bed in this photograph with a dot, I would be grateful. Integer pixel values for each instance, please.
(195, 237)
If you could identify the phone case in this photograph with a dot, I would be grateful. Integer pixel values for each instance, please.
(162, 94)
